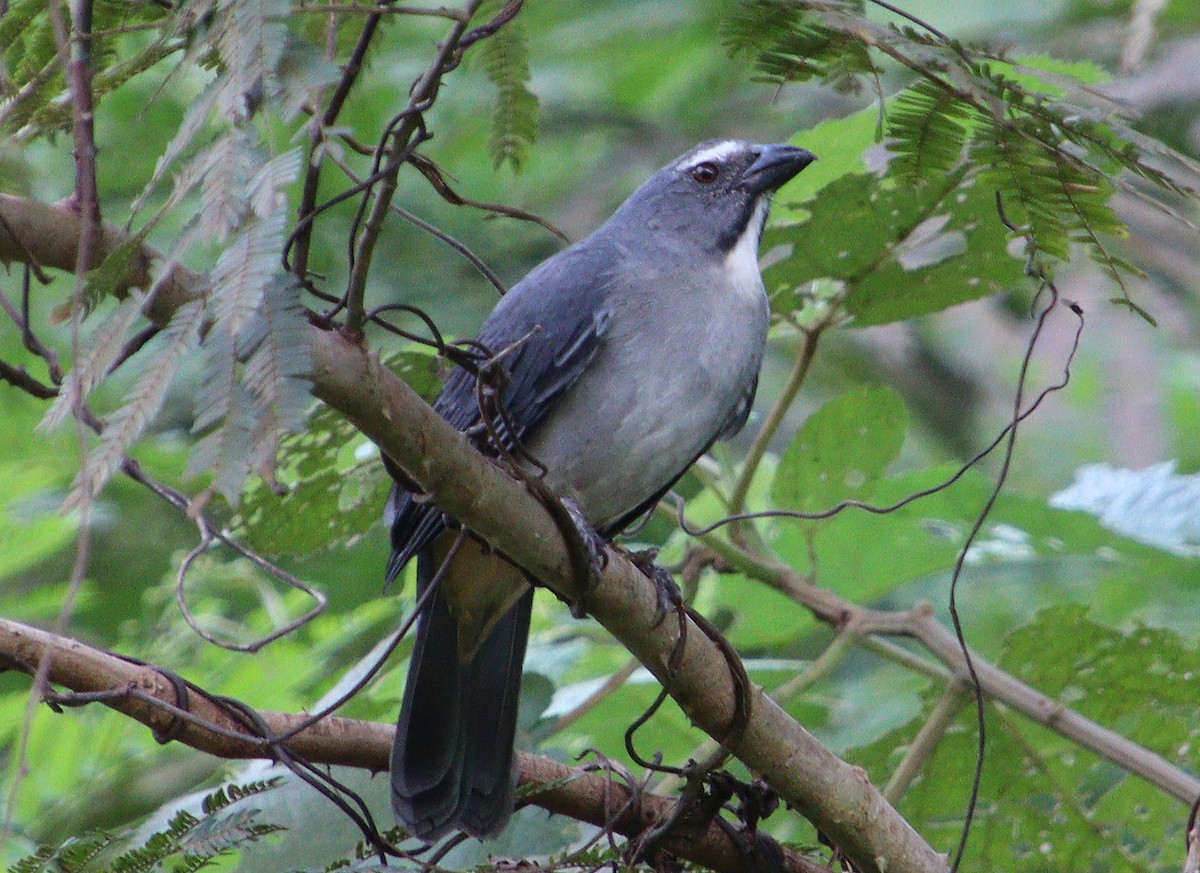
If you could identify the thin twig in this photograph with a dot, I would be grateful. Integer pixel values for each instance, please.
(352, 9)
(762, 440)
(436, 232)
(142, 692)
(925, 743)
(302, 235)
(404, 140)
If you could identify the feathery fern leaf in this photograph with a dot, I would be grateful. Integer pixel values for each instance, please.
(75, 855)
(38, 862)
(225, 170)
(142, 404)
(278, 368)
(505, 58)
(224, 404)
(926, 124)
(228, 450)
(243, 270)
(215, 834)
(790, 48)
(250, 260)
(227, 795)
(95, 360)
(251, 37)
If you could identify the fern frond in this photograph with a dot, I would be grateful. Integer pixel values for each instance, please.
(926, 124)
(277, 370)
(30, 57)
(226, 169)
(229, 794)
(223, 403)
(250, 260)
(38, 862)
(244, 269)
(789, 47)
(76, 855)
(95, 360)
(251, 37)
(227, 452)
(268, 188)
(142, 404)
(505, 59)
(218, 378)
(215, 834)
(79, 853)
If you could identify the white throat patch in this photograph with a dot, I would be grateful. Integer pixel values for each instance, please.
(741, 264)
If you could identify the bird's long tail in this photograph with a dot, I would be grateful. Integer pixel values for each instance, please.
(452, 762)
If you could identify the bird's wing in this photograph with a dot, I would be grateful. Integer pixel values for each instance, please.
(546, 331)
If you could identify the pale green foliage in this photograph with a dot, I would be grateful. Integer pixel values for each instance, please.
(505, 58)
(251, 256)
(227, 410)
(280, 363)
(842, 450)
(225, 170)
(188, 843)
(99, 354)
(141, 404)
(1047, 148)
(250, 38)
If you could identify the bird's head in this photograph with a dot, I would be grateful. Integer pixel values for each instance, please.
(711, 197)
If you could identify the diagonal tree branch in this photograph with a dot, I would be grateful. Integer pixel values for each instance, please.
(920, 624)
(837, 797)
(575, 792)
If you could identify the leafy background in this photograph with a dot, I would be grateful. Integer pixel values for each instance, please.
(1059, 597)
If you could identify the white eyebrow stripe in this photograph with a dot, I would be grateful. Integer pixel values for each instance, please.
(716, 152)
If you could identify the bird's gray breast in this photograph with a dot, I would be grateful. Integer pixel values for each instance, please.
(674, 370)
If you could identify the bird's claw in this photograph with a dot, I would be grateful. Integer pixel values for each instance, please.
(597, 558)
(670, 598)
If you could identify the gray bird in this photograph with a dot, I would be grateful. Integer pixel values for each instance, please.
(628, 355)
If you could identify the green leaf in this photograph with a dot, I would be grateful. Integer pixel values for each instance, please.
(839, 144)
(841, 451)
(420, 370)
(928, 125)
(1046, 803)
(329, 496)
(505, 57)
(897, 251)
(791, 46)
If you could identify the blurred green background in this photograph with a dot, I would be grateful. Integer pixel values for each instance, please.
(623, 88)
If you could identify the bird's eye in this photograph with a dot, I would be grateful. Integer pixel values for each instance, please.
(705, 173)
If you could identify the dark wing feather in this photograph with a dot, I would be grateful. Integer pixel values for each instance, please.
(553, 322)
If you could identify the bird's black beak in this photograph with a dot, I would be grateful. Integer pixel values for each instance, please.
(776, 164)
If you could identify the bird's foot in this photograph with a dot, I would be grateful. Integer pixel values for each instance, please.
(592, 561)
(670, 598)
